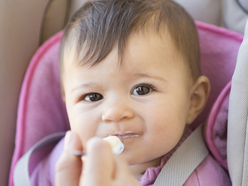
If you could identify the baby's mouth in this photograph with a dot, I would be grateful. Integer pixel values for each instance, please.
(127, 134)
(116, 140)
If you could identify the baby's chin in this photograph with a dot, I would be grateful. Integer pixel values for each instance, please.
(139, 168)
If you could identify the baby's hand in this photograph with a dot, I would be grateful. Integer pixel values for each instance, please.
(101, 166)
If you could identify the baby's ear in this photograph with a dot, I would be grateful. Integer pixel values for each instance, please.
(198, 98)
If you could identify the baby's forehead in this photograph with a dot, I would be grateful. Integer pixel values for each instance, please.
(140, 47)
(155, 39)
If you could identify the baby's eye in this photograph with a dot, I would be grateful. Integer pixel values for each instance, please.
(142, 90)
(92, 97)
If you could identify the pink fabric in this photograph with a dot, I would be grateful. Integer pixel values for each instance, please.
(219, 49)
(216, 129)
(41, 110)
(209, 172)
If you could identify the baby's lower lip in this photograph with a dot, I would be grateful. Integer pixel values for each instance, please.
(126, 135)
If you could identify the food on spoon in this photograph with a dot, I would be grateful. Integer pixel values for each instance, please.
(116, 144)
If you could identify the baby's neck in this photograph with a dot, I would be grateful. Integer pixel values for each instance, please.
(139, 169)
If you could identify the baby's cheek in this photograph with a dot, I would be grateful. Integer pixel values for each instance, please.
(83, 132)
(84, 138)
(168, 136)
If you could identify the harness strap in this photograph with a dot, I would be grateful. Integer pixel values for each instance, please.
(184, 160)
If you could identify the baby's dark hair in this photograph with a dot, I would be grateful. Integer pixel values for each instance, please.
(100, 24)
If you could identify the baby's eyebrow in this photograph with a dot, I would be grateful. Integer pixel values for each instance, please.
(143, 75)
(86, 85)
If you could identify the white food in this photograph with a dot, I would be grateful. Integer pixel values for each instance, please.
(116, 144)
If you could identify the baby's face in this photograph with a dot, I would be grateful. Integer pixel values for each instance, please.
(145, 101)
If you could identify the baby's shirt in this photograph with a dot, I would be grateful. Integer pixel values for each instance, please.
(209, 172)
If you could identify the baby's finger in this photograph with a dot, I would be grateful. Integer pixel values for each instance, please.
(69, 166)
(99, 166)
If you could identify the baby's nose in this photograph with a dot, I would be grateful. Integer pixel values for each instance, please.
(117, 111)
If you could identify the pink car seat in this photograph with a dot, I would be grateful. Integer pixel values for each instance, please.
(42, 112)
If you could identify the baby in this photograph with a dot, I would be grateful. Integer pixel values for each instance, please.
(130, 69)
